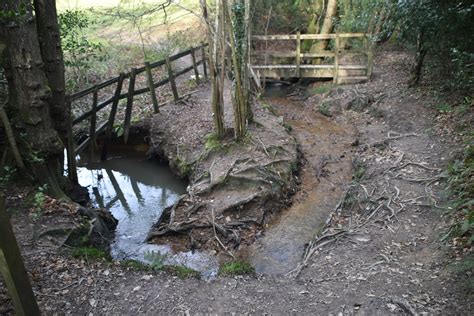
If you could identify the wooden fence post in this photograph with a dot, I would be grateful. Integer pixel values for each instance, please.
(13, 268)
(128, 110)
(171, 78)
(204, 59)
(298, 54)
(93, 136)
(151, 87)
(196, 72)
(113, 112)
(71, 152)
(370, 55)
(336, 59)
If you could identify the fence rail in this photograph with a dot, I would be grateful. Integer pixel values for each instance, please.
(313, 64)
(113, 100)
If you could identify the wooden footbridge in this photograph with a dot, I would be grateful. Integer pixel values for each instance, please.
(288, 56)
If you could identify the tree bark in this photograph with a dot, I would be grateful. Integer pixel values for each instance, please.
(29, 95)
(217, 97)
(326, 28)
(417, 67)
(52, 55)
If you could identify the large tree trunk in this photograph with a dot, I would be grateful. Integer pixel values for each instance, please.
(52, 55)
(29, 94)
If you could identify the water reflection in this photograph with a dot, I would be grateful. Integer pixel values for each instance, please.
(137, 190)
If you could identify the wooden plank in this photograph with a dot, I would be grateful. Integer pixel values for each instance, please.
(196, 72)
(85, 143)
(149, 77)
(336, 59)
(354, 67)
(86, 115)
(306, 36)
(90, 90)
(298, 53)
(204, 60)
(172, 80)
(292, 66)
(92, 133)
(128, 110)
(113, 112)
(13, 268)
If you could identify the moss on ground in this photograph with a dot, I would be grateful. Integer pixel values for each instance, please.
(236, 268)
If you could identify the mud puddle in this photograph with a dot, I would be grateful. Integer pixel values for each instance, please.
(325, 146)
(136, 190)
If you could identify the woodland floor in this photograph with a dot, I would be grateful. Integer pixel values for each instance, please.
(383, 261)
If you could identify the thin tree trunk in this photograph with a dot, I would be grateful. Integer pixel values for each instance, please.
(417, 67)
(217, 106)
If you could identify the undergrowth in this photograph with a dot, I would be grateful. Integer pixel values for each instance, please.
(236, 268)
(461, 186)
(90, 253)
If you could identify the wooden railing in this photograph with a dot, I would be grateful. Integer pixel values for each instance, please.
(113, 100)
(313, 64)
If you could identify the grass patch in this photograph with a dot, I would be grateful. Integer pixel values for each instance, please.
(90, 253)
(184, 168)
(322, 89)
(325, 109)
(236, 268)
(135, 265)
(183, 272)
(212, 143)
(359, 171)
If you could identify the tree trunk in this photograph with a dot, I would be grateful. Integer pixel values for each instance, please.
(331, 10)
(217, 97)
(52, 55)
(238, 101)
(417, 67)
(29, 94)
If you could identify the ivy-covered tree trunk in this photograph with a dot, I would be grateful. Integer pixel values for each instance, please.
(29, 94)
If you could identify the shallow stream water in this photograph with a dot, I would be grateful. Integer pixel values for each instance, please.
(136, 190)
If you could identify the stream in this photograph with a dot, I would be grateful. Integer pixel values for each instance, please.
(136, 190)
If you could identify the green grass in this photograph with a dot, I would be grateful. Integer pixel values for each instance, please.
(322, 89)
(183, 272)
(359, 171)
(325, 109)
(212, 143)
(135, 265)
(236, 268)
(90, 253)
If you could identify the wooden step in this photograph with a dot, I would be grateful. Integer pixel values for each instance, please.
(352, 79)
(353, 67)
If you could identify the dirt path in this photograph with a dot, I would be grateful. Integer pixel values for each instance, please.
(393, 264)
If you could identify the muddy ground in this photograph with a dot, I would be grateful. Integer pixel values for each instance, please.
(379, 253)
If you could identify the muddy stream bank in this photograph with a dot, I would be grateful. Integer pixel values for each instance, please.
(326, 169)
